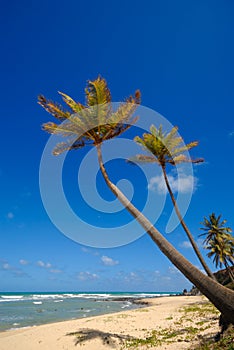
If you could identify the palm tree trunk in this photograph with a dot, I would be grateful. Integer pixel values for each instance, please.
(229, 271)
(221, 297)
(185, 227)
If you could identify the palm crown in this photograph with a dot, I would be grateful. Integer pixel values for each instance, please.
(219, 241)
(215, 228)
(222, 251)
(169, 148)
(89, 124)
(164, 147)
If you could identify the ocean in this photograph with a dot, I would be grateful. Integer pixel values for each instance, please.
(18, 310)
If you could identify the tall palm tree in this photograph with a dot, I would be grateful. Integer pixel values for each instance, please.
(168, 148)
(105, 124)
(219, 242)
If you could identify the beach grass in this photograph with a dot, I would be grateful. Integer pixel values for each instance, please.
(190, 327)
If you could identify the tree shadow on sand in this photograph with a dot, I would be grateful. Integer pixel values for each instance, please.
(110, 339)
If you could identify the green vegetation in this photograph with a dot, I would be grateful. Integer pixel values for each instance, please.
(169, 148)
(94, 123)
(219, 242)
(201, 314)
(200, 310)
(225, 343)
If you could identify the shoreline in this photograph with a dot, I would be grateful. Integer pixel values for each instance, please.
(114, 329)
(41, 308)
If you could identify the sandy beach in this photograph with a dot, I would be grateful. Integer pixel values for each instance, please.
(167, 322)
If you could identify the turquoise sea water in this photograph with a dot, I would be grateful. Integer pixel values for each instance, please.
(19, 310)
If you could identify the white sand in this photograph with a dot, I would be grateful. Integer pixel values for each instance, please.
(164, 313)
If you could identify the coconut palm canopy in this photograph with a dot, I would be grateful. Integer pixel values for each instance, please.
(89, 124)
(219, 241)
(169, 148)
(165, 148)
(222, 251)
(99, 123)
(214, 227)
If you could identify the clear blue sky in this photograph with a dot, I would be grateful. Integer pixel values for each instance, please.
(180, 55)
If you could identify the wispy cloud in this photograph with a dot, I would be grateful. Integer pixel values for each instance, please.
(89, 251)
(132, 277)
(173, 270)
(183, 184)
(87, 276)
(6, 266)
(185, 244)
(10, 215)
(109, 261)
(41, 263)
(16, 272)
(188, 245)
(23, 262)
(231, 134)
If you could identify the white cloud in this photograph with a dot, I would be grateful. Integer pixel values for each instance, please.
(183, 184)
(109, 261)
(231, 133)
(10, 215)
(43, 264)
(173, 270)
(87, 276)
(89, 251)
(16, 272)
(133, 277)
(23, 262)
(187, 244)
(6, 266)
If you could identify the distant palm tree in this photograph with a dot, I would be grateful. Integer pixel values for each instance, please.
(168, 148)
(219, 242)
(96, 123)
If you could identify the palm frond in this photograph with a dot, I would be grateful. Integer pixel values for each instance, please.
(166, 147)
(65, 129)
(140, 158)
(76, 107)
(126, 109)
(53, 108)
(97, 92)
(93, 124)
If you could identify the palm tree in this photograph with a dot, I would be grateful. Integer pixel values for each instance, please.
(214, 227)
(99, 123)
(219, 242)
(168, 148)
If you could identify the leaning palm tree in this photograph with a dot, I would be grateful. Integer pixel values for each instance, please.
(164, 149)
(97, 122)
(219, 242)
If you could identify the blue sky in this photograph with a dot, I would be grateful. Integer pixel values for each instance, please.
(180, 55)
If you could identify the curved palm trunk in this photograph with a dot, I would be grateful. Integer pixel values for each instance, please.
(185, 227)
(221, 297)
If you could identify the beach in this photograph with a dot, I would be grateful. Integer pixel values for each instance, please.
(165, 323)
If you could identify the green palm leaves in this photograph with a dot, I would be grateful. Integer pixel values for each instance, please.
(219, 242)
(214, 227)
(169, 148)
(165, 148)
(89, 124)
